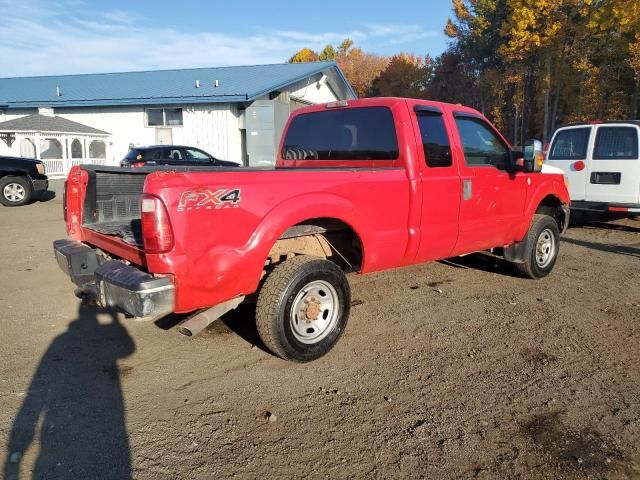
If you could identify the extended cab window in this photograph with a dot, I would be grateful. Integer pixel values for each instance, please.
(480, 144)
(366, 133)
(570, 144)
(435, 141)
(616, 143)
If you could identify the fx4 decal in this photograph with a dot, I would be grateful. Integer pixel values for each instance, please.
(209, 200)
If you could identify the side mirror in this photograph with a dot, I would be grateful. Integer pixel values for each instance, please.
(533, 156)
(517, 161)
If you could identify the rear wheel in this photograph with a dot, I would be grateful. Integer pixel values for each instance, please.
(303, 308)
(543, 245)
(14, 191)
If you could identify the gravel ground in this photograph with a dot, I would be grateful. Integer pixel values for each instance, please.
(446, 370)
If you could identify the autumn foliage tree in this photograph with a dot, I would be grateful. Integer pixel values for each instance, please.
(360, 68)
(404, 76)
(529, 65)
(304, 55)
(543, 62)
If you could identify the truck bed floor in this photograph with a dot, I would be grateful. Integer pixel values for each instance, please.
(130, 231)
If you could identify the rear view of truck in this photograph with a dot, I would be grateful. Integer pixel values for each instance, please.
(109, 222)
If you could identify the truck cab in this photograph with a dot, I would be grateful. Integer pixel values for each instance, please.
(601, 162)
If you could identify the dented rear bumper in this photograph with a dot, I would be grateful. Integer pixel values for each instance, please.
(115, 283)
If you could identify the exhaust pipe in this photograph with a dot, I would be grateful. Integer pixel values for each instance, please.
(201, 320)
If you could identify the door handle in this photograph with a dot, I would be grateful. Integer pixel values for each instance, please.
(467, 190)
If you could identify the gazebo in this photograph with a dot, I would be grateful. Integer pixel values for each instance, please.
(60, 143)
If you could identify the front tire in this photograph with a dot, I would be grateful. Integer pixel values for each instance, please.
(15, 191)
(543, 246)
(303, 308)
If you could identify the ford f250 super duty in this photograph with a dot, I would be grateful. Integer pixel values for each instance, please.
(359, 186)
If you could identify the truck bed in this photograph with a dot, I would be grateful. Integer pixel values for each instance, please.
(112, 202)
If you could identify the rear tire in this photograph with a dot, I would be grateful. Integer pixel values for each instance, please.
(543, 246)
(303, 308)
(15, 191)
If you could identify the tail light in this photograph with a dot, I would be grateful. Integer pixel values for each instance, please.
(137, 164)
(157, 233)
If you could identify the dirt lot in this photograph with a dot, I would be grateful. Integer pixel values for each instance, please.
(445, 371)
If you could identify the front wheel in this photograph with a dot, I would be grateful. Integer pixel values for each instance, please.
(303, 308)
(543, 245)
(14, 191)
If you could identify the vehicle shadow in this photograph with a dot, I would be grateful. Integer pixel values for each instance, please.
(612, 226)
(46, 196)
(74, 405)
(482, 261)
(605, 247)
(240, 321)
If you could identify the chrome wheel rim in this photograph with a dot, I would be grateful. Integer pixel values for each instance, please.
(14, 192)
(545, 248)
(314, 312)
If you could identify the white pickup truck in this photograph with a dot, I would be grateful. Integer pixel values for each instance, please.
(601, 163)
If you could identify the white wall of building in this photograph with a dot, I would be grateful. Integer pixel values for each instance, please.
(214, 127)
(211, 127)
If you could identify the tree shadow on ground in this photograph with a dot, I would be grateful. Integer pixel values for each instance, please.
(74, 405)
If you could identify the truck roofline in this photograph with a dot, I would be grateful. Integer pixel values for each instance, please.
(388, 102)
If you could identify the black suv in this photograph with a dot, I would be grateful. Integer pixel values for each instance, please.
(171, 155)
(21, 180)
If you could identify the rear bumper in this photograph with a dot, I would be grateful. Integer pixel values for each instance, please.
(606, 207)
(116, 284)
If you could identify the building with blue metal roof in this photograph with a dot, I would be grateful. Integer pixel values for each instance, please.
(235, 113)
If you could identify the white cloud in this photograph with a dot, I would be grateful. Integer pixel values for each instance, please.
(64, 37)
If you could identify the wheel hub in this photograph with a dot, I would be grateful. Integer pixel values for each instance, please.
(314, 312)
(545, 248)
(14, 192)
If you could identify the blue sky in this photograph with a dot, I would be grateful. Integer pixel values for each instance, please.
(40, 37)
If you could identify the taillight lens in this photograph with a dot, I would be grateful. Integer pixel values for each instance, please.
(157, 233)
(137, 164)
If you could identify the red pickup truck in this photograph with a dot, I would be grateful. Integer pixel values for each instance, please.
(359, 186)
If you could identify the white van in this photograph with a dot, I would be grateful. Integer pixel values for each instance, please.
(600, 161)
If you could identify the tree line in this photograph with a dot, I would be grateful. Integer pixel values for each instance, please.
(528, 65)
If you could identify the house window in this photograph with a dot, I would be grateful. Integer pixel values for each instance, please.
(164, 117)
(76, 149)
(97, 149)
(50, 149)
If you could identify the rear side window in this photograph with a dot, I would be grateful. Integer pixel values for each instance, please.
(366, 133)
(570, 144)
(435, 141)
(616, 143)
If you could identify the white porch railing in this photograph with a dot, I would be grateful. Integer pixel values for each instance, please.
(59, 168)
